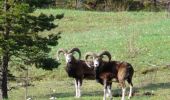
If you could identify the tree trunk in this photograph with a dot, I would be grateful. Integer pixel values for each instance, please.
(0, 78)
(3, 76)
(77, 4)
(105, 5)
(95, 4)
(155, 3)
(4, 89)
(0, 94)
(5, 58)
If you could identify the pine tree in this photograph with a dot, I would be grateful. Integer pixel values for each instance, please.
(20, 37)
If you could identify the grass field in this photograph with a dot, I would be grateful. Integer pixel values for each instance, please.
(141, 38)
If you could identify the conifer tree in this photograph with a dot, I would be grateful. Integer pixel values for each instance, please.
(20, 37)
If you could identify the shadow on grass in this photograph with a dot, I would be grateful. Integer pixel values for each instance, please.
(157, 86)
(149, 88)
(70, 94)
(115, 91)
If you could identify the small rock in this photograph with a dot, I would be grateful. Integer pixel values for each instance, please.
(29, 98)
(53, 98)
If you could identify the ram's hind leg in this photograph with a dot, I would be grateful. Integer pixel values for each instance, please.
(131, 86)
(122, 84)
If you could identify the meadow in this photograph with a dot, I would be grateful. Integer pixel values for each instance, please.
(140, 38)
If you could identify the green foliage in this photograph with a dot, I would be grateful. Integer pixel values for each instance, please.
(50, 62)
(25, 40)
(21, 40)
(40, 3)
(114, 5)
(96, 31)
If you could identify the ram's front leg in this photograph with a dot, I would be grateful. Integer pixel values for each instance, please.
(105, 90)
(79, 88)
(76, 87)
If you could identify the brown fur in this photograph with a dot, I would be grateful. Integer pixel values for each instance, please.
(78, 69)
(120, 71)
(106, 71)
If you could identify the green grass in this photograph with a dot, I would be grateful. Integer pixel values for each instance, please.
(141, 38)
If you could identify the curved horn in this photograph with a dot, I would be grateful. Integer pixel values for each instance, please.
(106, 53)
(61, 51)
(89, 54)
(77, 50)
(86, 57)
